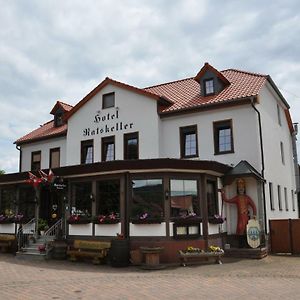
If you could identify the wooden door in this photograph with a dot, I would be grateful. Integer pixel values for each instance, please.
(280, 236)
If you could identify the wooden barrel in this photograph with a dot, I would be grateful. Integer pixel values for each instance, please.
(119, 253)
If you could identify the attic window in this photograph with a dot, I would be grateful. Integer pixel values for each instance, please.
(209, 87)
(108, 100)
(58, 119)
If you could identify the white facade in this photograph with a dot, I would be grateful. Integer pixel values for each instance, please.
(159, 137)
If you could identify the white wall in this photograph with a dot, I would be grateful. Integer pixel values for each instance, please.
(147, 229)
(275, 171)
(43, 146)
(245, 134)
(133, 108)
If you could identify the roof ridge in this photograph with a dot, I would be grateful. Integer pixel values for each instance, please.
(170, 82)
(245, 72)
(64, 103)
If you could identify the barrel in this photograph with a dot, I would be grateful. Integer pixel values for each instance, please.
(119, 253)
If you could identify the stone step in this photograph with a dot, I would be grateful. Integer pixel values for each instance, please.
(31, 255)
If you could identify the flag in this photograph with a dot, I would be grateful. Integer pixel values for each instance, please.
(44, 176)
(50, 176)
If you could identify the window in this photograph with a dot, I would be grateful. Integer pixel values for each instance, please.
(209, 87)
(223, 138)
(7, 203)
(271, 196)
(108, 148)
(82, 200)
(54, 158)
(147, 197)
(278, 115)
(282, 152)
(286, 199)
(58, 119)
(188, 141)
(27, 202)
(109, 197)
(293, 200)
(212, 199)
(87, 152)
(184, 198)
(279, 197)
(36, 160)
(108, 100)
(131, 146)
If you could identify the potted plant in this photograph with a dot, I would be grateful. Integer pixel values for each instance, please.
(42, 226)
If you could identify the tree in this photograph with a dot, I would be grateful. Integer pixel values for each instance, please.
(2, 172)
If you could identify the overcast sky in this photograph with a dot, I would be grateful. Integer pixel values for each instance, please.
(52, 50)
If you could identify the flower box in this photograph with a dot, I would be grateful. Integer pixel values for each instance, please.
(147, 221)
(216, 220)
(79, 221)
(187, 220)
(107, 221)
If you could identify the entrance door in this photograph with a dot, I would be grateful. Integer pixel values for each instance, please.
(50, 205)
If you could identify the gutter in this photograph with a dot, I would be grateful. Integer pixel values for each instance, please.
(20, 157)
(262, 161)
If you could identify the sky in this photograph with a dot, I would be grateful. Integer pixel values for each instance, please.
(60, 50)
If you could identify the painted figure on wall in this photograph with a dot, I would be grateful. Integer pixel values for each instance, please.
(242, 202)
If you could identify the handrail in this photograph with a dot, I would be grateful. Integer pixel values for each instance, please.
(24, 232)
(54, 230)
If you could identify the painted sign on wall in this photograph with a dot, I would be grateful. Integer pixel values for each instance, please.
(102, 120)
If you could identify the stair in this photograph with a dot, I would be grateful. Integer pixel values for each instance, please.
(31, 250)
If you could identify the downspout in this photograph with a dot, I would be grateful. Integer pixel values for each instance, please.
(296, 166)
(20, 157)
(262, 161)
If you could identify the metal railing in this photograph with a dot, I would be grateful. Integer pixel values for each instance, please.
(54, 231)
(24, 232)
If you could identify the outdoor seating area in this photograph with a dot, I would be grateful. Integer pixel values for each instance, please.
(97, 250)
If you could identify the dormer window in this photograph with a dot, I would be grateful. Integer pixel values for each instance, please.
(58, 119)
(209, 87)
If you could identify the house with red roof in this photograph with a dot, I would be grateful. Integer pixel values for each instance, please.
(183, 163)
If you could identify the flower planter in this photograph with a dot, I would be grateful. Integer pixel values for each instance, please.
(147, 229)
(81, 229)
(83, 221)
(147, 221)
(105, 222)
(187, 220)
(107, 229)
(215, 220)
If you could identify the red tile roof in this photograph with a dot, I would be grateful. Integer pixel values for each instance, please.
(60, 104)
(186, 93)
(176, 96)
(46, 131)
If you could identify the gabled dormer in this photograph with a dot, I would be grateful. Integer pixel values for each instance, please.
(58, 111)
(211, 80)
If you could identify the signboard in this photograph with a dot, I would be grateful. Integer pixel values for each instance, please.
(253, 233)
(59, 184)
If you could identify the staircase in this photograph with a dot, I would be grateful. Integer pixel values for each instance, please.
(28, 245)
(31, 250)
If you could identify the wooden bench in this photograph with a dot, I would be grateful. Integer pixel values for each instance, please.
(195, 257)
(7, 242)
(97, 250)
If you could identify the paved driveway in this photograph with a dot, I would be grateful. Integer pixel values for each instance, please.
(274, 277)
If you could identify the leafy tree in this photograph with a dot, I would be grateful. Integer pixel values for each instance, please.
(2, 172)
